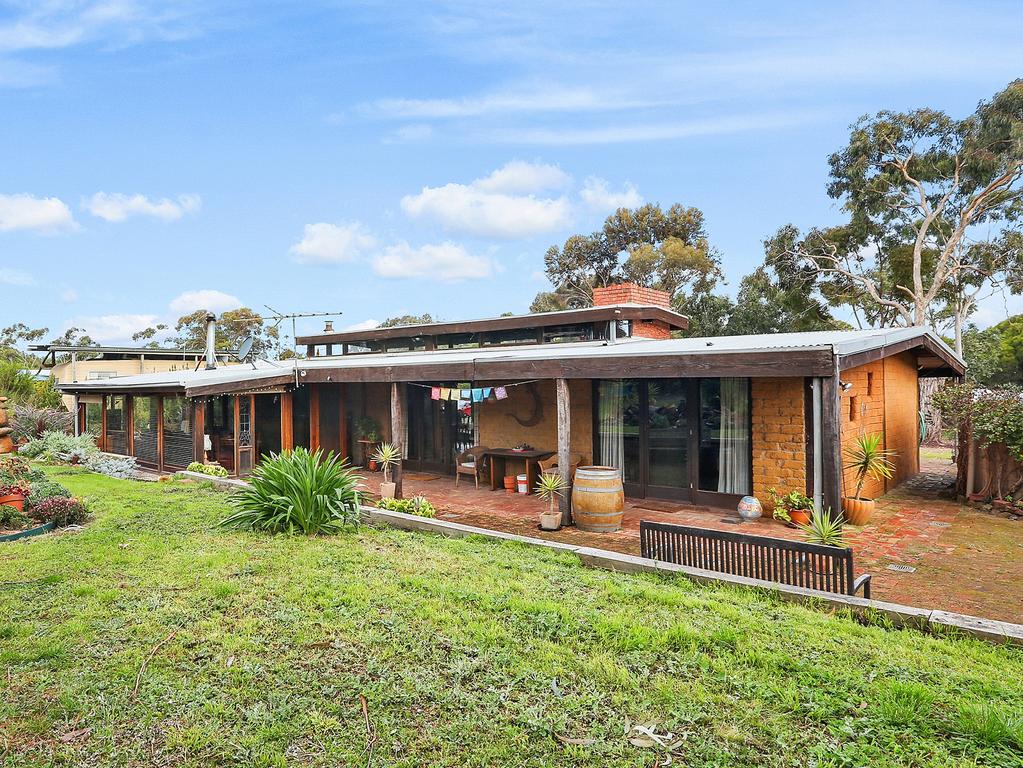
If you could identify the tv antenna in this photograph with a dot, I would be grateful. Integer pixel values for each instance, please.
(280, 317)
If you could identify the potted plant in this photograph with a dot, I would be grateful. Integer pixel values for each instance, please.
(387, 455)
(13, 495)
(549, 487)
(794, 508)
(866, 458)
(824, 528)
(367, 434)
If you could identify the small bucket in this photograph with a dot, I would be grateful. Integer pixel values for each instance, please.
(523, 483)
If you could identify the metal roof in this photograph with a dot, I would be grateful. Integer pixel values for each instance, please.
(838, 343)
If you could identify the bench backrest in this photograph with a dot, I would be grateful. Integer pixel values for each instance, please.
(814, 566)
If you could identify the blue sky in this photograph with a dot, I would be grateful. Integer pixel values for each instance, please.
(384, 158)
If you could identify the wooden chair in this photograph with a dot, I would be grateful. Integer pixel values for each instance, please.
(551, 465)
(471, 462)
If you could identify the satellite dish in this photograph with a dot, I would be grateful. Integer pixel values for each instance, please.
(244, 348)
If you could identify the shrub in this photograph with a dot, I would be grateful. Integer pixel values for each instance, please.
(45, 489)
(11, 518)
(214, 470)
(417, 505)
(60, 511)
(30, 423)
(121, 467)
(14, 468)
(298, 491)
(53, 445)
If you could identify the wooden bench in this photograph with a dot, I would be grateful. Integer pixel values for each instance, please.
(814, 566)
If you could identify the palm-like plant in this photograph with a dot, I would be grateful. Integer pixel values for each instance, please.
(868, 459)
(298, 492)
(387, 455)
(824, 528)
(549, 486)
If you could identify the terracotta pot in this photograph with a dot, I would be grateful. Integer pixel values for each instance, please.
(15, 500)
(857, 511)
(509, 483)
(799, 516)
(372, 465)
(387, 490)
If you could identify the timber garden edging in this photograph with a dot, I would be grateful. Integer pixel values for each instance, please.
(902, 616)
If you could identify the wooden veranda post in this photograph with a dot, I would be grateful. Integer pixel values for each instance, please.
(831, 440)
(398, 430)
(287, 422)
(565, 449)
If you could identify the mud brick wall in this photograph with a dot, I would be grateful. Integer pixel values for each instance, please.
(779, 436)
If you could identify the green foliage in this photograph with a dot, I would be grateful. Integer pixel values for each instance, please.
(824, 528)
(62, 511)
(53, 445)
(995, 354)
(366, 428)
(233, 327)
(550, 486)
(424, 319)
(866, 458)
(16, 383)
(387, 455)
(30, 422)
(214, 470)
(122, 467)
(11, 518)
(43, 489)
(995, 414)
(789, 501)
(416, 505)
(298, 492)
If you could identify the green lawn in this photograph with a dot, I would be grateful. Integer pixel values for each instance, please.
(467, 652)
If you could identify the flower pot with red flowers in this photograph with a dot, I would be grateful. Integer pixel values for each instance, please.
(13, 495)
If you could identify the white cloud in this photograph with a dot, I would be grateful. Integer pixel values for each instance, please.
(408, 134)
(69, 295)
(109, 328)
(533, 100)
(15, 277)
(447, 262)
(518, 177)
(598, 197)
(331, 243)
(206, 298)
(42, 214)
(482, 208)
(365, 325)
(118, 207)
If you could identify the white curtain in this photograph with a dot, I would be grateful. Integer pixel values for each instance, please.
(734, 446)
(610, 417)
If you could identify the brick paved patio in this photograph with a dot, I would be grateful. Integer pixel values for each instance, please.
(965, 561)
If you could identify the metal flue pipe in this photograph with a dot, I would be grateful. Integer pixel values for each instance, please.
(211, 341)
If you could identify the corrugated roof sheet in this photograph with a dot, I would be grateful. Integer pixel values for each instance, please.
(841, 343)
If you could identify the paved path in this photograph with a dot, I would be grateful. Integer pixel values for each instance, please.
(965, 561)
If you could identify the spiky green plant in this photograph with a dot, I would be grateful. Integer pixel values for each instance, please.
(824, 528)
(868, 459)
(387, 455)
(298, 492)
(549, 486)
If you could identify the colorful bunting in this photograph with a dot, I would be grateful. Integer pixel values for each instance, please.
(477, 395)
(501, 392)
(435, 393)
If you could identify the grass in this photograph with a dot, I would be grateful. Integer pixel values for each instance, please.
(468, 653)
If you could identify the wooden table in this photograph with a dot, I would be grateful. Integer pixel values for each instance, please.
(498, 458)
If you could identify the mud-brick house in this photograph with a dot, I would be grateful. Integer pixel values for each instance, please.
(701, 419)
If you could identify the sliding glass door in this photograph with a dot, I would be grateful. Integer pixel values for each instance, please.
(685, 439)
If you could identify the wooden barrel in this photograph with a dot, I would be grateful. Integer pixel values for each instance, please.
(598, 499)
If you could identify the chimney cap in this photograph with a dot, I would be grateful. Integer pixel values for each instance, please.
(328, 326)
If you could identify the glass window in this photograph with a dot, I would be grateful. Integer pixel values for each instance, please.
(564, 333)
(146, 421)
(725, 436)
(117, 437)
(177, 432)
(511, 336)
(93, 418)
(457, 340)
(668, 436)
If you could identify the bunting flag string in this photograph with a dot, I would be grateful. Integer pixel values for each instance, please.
(465, 397)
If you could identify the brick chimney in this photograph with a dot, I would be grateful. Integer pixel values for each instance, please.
(630, 293)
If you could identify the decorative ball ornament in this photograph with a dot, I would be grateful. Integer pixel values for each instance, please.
(750, 508)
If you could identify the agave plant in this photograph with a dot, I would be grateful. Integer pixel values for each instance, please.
(387, 455)
(298, 492)
(824, 528)
(868, 459)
